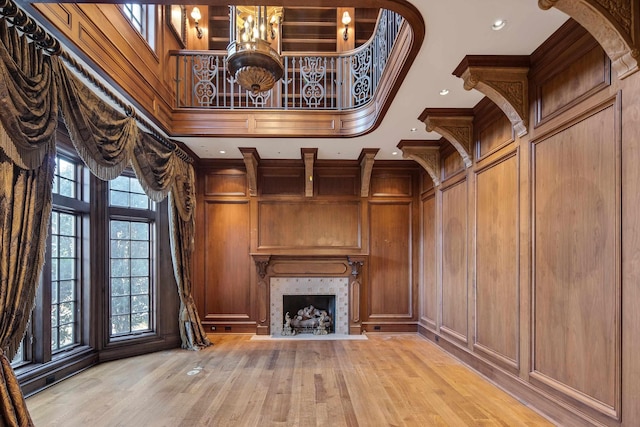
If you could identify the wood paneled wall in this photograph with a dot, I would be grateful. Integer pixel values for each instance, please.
(235, 230)
(523, 253)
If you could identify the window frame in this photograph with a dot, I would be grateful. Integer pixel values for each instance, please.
(148, 22)
(36, 344)
(149, 216)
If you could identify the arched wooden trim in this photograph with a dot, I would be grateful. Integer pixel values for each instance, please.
(455, 124)
(251, 162)
(614, 24)
(309, 156)
(503, 79)
(366, 160)
(426, 154)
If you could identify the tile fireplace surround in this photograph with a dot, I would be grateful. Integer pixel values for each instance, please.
(337, 286)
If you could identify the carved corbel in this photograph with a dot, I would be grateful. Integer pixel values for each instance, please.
(426, 154)
(455, 124)
(614, 24)
(366, 166)
(356, 264)
(262, 263)
(251, 162)
(502, 79)
(309, 156)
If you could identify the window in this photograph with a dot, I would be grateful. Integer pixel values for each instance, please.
(131, 231)
(63, 266)
(142, 18)
(56, 322)
(64, 279)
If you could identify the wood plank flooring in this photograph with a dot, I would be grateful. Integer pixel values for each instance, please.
(388, 380)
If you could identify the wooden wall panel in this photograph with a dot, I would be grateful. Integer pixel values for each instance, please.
(576, 260)
(428, 285)
(289, 181)
(454, 261)
(391, 184)
(496, 256)
(495, 135)
(580, 77)
(451, 164)
(390, 285)
(227, 263)
(309, 225)
(569, 70)
(225, 183)
(337, 182)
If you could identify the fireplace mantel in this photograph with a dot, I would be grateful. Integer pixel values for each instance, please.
(291, 265)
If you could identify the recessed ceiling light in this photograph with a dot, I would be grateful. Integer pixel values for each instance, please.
(444, 92)
(413, 129)
(498, 24)
(222, 152)
(395, 153)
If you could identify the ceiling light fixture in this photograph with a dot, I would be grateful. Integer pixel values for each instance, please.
(444, 92)
(414, 129)
(222, 152)
(498, 24)
(346, 20)
(252, 60)
(197, 16)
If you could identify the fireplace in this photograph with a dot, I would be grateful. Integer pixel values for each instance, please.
(306, 310)
(290, 294)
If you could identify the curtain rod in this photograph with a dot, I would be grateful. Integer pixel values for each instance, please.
(46, 41)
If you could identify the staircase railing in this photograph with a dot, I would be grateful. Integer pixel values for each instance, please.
(337, 81)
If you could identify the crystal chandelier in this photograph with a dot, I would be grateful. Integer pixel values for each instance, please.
(254, 52)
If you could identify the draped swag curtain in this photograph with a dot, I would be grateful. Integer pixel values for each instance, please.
(33, 89)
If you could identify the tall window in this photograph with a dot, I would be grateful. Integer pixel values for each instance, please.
(57, 320)
(131, 231)
(64, 255)
(142, 18)
(64, 279)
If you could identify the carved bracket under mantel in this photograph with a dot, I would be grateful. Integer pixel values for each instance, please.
(503, 79)
(455, 124)
(614, 24)
(426, 154)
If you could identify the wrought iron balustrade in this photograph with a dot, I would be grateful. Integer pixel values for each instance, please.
(338, 81)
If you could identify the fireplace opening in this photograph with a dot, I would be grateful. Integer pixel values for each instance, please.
(307, 311)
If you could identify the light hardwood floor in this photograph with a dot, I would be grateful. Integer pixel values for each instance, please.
(388, 380)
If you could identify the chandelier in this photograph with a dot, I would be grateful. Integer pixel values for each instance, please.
(252, 59)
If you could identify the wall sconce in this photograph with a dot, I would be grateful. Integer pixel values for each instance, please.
(195, 14)
(346, 20)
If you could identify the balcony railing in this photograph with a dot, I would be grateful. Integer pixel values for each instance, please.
(339, 81)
